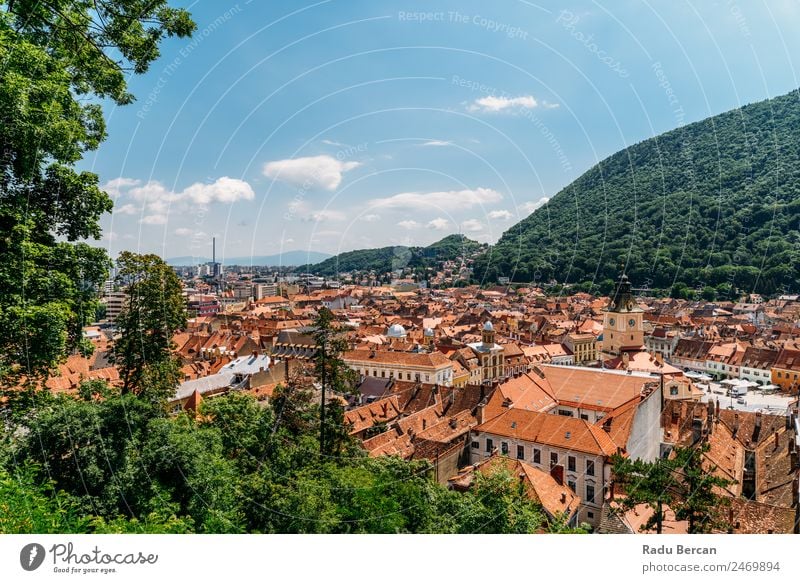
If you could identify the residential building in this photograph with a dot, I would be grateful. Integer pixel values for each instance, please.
(583, 347)
(786, 370)
(426, 367)
(115, 302)
(573, 451)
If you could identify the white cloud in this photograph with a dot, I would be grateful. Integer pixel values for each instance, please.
(154, 220)
(530, 206)
(158, 197)
(502, 215)
(439, 224)
(334, 143)
(436, 143)
(315, 171)
(494, 104)
(127, 209)
(472, 226)
(115, 187)
(371, 218)
(224, 190)
(451, 200)
(328, 215)
(183, 232)
(409, 224)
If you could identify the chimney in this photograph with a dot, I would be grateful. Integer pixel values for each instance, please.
(735, 424)
(479, 414)
(777, 441)
(710, 418)
(697, 430)
(716, 410)
(563, 497)
(758, 419)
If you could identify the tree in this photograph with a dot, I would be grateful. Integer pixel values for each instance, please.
(335, 376)
(650, 483)
(154, 310)
(60, 59)
(679, 481)
(708, 293)
(698, 502)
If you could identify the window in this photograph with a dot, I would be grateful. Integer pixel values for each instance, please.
(553, 459)
(584, 416)
(590, 467)
(537, 456)
(504, 447)
(565, 413)
(673, 390)
(572, 485)
(590, 493)
(520, 452)
(476, 445)
(590, 514)
(489, 445)
(571, 463)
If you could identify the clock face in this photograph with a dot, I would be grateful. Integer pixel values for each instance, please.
(631, 322)
(611, 321)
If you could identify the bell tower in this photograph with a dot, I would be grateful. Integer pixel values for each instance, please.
(623, 323)
(487, 335)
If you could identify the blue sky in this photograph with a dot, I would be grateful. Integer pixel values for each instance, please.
(343, 124)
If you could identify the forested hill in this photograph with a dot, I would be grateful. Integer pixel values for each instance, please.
(387, 259)
(711, 204)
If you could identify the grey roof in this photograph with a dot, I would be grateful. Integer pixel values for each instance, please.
(248, 364)
(204, 385)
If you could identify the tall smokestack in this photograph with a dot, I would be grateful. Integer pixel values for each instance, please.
(213, 249)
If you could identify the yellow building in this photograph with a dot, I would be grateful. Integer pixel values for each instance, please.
(786, 370)
(583, 347)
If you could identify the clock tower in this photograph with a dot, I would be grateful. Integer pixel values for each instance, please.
(623, 324)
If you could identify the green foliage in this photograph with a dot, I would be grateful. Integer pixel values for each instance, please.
(714, 202)
(154, 310)
(117, 464)
(679, 482)
(60, 58)
(338, 380)
(28, 507)
(386, 259)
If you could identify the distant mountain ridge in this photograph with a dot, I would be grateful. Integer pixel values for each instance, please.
(713, 204)
(385, 259)
(286, 259)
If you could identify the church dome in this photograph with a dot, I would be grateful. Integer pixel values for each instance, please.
(396, 331)
(488, 327)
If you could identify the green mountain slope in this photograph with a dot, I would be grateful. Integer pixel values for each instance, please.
(387, 259)
(711, 204)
